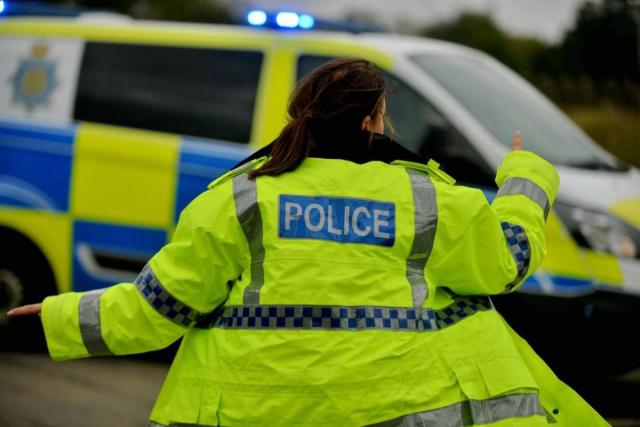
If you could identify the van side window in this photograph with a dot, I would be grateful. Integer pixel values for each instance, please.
(201, 92)
(420, 127)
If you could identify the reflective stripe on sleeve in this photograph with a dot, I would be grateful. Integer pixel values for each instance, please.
(163, 302)
(518, 244)
(472, 412)
(527, 188)
(317, 317)
(89, 322)
(245, 197)
(425, 220)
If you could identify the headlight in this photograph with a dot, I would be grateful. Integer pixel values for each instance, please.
(600, 231)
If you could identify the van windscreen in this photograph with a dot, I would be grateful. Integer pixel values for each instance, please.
(502, 102)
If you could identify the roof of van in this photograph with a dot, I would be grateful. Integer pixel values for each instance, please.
(91, 23)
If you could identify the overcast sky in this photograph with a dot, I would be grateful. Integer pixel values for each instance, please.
(545, 19)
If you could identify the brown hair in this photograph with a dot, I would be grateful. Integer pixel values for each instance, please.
(339, 95)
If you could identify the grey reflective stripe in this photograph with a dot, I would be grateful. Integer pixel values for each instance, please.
(89, 321)
(527, 188)
(164, 302)
(472, 412)
(352, 318)
(425, 220)
(246, 200)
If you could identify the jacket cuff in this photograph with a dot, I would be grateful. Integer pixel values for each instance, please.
(60, 321)
(530, 166)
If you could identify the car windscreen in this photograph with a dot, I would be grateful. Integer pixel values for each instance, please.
(503, 103)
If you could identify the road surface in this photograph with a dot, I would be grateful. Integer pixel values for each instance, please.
(104, 392)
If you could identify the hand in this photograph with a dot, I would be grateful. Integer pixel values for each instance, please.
(26, 310)
(516, 141)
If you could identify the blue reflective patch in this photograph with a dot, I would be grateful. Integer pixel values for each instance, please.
(337, 219)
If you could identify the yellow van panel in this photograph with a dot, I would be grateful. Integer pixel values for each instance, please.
(277, 80)
(605, 268)
(564, 257)
(51, 232)
(628, 210)
(124, 175)
(162, 33)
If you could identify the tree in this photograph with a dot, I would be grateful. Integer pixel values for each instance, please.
(604, 43)
(477, 31)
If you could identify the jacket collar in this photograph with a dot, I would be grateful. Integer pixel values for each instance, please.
(358, 147)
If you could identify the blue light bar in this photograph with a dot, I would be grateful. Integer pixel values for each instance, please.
(287, 19)
(2, 6)
(306, 22)
(257, 17)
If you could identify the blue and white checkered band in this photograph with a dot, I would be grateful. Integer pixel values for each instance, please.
(518, 244)
(346, 318)
(163, 302)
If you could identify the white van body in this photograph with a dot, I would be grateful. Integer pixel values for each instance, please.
(101, 221)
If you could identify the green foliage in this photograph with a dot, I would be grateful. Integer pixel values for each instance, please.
(604, 43)
(616, 129)
(477, 31)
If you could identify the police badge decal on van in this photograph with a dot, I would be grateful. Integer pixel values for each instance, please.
(338, 219)
(34, 79)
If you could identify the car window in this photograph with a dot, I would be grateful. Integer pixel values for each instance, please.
(192, 91)
(420, 127)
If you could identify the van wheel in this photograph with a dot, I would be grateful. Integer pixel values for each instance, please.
(25, 278)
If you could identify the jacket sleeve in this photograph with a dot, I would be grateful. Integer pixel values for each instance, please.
(187, 279)
(491, 249)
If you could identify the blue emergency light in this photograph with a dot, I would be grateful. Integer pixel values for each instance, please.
(257, 17)
(2, 6)
(282, 19)
(306, 22)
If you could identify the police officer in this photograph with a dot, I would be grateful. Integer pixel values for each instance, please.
(336, 279)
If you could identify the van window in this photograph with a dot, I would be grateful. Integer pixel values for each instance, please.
(193, 91)
(420, 127)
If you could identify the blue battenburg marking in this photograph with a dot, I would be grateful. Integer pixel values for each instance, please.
(337, 219)
(123, 241)
(35, 165)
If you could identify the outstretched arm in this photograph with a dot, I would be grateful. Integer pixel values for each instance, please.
(490, 249)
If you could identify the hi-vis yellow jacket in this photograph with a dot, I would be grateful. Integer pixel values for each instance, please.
(338, 294)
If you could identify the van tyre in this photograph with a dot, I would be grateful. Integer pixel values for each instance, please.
(25, 278)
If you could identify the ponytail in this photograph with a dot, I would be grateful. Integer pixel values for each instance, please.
(292, 146)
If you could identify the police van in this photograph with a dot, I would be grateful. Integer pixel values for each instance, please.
(109, 127)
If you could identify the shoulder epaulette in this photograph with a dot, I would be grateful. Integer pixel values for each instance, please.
(432, 168)
(237, 171)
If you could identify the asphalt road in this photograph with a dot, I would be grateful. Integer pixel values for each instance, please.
(36, 392)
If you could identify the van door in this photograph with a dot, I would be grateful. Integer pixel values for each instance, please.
(158, 123)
